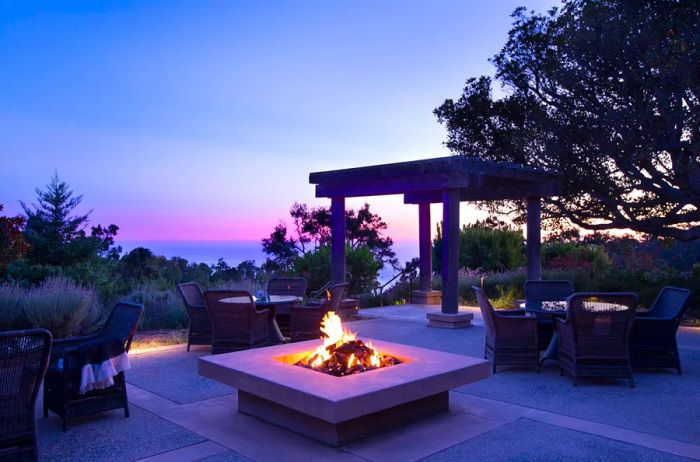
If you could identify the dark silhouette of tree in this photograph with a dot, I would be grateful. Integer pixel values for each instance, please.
(57, 237)
(13, 246)
(607, 93)
(312, 230)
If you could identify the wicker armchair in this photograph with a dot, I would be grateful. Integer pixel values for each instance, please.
(306, 320)
(511, 337)
(236, 324)
(547, 291)
(654, 331)
(287, 286)
(24, 356)
(199, 325)
(62, 382)
(594, 338)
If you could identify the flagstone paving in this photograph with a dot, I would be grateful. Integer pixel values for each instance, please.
(515, 415)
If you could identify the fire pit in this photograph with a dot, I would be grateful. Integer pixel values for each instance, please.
(334, 391)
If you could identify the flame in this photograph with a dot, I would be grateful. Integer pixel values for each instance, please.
(328, 294)
(335, 335)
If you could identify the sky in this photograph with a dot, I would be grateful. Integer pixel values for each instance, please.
(201, 120)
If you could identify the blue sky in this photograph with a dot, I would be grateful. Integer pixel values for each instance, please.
(201, 120)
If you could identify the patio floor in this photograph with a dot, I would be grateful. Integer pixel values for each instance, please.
(515, 415)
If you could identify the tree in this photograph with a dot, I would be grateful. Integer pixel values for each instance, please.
(13, 246)
(312, 230)
(489, 245)
(607, 93)
(58, 238)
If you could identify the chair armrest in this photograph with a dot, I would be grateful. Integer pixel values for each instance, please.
(59, 346)
(510, 313)
(509, 321)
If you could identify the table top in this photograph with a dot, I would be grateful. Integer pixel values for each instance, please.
(545, 307)
(270, 300)
(558, 308)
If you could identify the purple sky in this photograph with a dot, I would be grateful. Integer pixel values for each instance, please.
(202, 120)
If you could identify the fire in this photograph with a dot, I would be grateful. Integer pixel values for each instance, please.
(342, 353)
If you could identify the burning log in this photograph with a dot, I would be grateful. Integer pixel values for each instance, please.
(342, 353)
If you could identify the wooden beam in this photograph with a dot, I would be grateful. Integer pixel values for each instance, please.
(450, 251)
(461, 164)
(425, 247)
(338, 239)
(395, 185)
(534, 239)
(486, 193)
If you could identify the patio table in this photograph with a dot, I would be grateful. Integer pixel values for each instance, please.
(552, 310)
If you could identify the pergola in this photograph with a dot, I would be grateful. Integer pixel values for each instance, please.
(449, 180)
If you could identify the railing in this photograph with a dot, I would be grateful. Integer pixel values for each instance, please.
(321, 293)
(379, 291)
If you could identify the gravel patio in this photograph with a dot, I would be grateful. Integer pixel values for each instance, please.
(515, 415)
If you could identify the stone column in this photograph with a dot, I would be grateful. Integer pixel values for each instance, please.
(338, 239)
(425, 295)
(449, 316)
(534, 239)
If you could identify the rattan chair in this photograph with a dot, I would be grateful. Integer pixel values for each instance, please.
(511, 337)
(654, 331)
(199, 325)
(306, 320)
(594, 339)
(24, 356)
(547, 291)
(236, 324)
(62, 383)
(287, 286)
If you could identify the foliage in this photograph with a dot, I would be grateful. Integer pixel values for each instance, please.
(315, 266)
(489, 245)
(245, 271)
(58, 238)
(13, 246)
(163, 308)
(312, 231)
(57, 304)
(573, 256)
(605, 93)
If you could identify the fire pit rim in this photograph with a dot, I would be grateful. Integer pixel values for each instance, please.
(318, 394)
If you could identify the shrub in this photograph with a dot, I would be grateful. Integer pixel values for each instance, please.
(485, 246)
(575, 256)
(163, 308)
(364, 267)
(64, 308)
(11, 316)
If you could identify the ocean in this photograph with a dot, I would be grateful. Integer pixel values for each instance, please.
(234, 252)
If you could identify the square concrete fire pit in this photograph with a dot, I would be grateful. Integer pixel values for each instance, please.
(338, 410)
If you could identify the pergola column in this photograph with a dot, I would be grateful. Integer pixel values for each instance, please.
(425, 295)
(338, 239)
(450, 251)
(425, 247)
(450, 317)
(534, 239)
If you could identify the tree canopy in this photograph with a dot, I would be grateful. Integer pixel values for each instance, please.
(608, 94)
(55, 236)
(312, 230)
